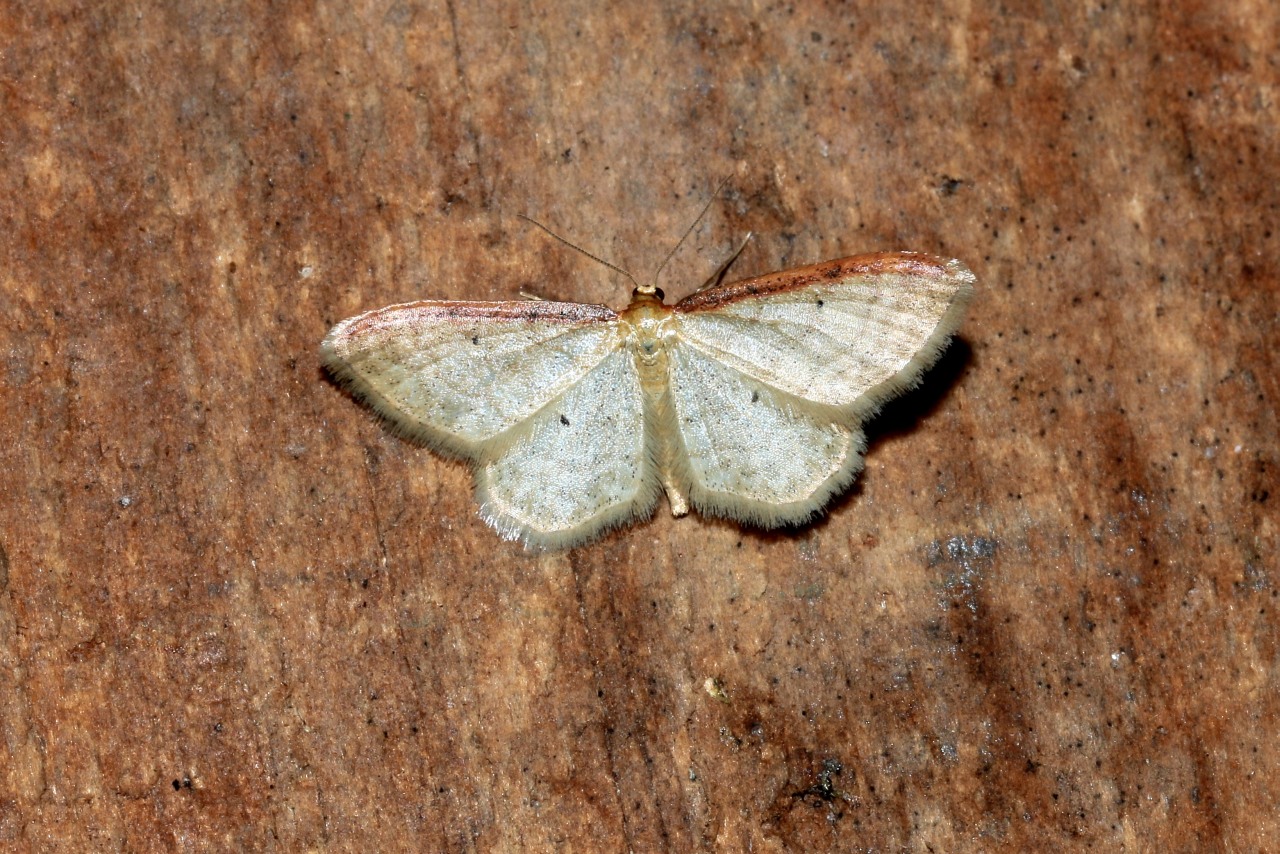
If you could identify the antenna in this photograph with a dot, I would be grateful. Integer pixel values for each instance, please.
(690, 229)
(595, 258)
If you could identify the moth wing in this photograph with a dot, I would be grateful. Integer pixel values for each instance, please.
(751, 452)
(771, 378)
(454, 375)
(851, 333)
(541, 396)
(579, 465)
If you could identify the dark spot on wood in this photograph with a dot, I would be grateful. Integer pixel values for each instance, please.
(820, 303)
(755, 397)
(564, 420)
(832, 272)
(475, 339)
(949, 185)
(824, 790)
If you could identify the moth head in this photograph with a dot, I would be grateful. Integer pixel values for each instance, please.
(646, 293)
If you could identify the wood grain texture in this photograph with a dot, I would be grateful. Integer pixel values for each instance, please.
(236, 613)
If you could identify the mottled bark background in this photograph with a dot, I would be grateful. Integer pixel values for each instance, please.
(236, 613)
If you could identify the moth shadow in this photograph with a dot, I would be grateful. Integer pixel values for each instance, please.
(902, 414)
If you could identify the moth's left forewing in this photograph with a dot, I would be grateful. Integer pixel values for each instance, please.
(457, 375)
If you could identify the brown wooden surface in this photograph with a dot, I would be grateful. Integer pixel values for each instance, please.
(235, 613)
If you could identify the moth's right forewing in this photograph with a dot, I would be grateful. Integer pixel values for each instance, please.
(454, 375)
(849, 333)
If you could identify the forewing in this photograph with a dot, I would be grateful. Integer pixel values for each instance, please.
(752, 452)
(579, 465)
(456, 374)
(849, 333)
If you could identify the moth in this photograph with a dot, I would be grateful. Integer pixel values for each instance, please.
(743, 400)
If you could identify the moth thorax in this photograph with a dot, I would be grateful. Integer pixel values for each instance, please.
(646, 321)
